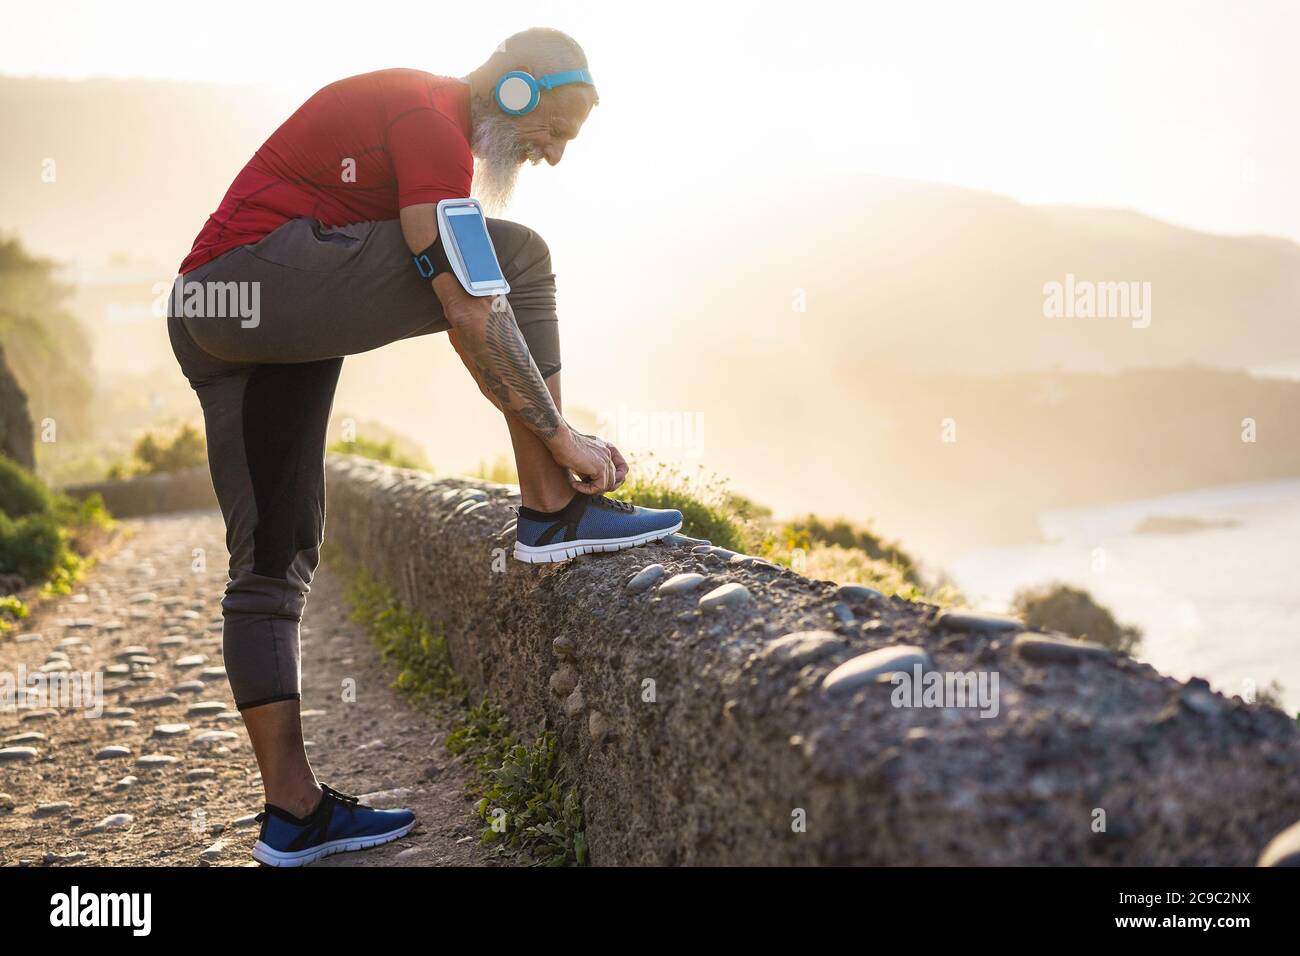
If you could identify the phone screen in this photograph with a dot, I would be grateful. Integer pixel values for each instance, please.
(475, 248)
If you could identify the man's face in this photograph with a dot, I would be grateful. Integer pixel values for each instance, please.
(503, 143)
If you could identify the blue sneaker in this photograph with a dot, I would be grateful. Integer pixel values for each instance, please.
(589, 523)
(339, 824)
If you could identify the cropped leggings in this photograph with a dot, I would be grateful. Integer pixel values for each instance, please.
(260, 333)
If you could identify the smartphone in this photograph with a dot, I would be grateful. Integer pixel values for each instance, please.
(469, 248)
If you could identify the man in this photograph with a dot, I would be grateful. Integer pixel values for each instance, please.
(318, 232)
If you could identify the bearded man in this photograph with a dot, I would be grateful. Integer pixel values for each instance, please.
(323, 223)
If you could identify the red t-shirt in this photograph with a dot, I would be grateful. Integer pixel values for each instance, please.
(358, 150)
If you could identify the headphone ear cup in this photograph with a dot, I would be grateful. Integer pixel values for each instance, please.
(517, 93)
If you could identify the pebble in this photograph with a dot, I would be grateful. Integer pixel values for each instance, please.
(16, 754)
(162, 700)
(972, 621)
(27, 637)
(246, 821)
(645, 579)
(190, 687)
(842, 612)
(205, 708)
(52, 809)
(597, 726)
(1049, 649)
(563, 681)
(213, 852)
(171, 730)
(802, 647)
(116, 821)
(1283, 849)
(44, 713)
(200, 773)
(31, 737)
(156, 761)
(726, 596)
(857, 593)
(681, 583)
(55, 667)
(119, 712)
(174, 640)
(563, 646)
(135, 650)
(212, 673)
(864, 668)
(213, 737)
(574, 703)
(111, 753)
(126, 783)
(6, 803)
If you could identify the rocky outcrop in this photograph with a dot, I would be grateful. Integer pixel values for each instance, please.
(719, 709)
(16, 438)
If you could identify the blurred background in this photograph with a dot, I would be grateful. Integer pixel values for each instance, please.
(810, 256)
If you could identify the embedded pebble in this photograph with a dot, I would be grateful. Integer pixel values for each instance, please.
(205, 708)
(212, 737)
(985, 623)
(1050, 649)
(802, 647)
(857, 593)
(214, 852)
(112, 753)
(162, 700)
(563, 681)
(200, 773)
(44, 713)
(171, 730)
(6, 803)
(1283, 849)
(842, 612)
(173, 640)
(126, 783)
(212, 673)
(250, 820)
(597, 726)
(16, 754)
(681, 583)
(563, 646)
(872, 665)
(190, 687)
(156, 761)
(52, 809)
(116, 821)
(645, 579)
(191, 660)
(726, 596)
(30, 737)
(574, 703)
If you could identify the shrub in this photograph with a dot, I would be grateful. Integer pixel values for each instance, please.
(155, 454)
(1060, 607)
(811, 530)
(32, 547)
(21, 492)
(708, 510)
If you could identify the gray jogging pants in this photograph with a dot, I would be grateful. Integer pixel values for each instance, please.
(260, 332)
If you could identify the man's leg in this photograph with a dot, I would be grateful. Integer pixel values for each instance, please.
(266, 429)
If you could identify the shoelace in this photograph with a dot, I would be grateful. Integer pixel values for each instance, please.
(613, 503)
(340, 797)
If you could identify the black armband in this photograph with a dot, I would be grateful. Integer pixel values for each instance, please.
(433, 260)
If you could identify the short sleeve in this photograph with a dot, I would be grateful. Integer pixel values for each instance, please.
(430, 156)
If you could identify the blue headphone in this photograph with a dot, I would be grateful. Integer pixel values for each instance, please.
(517, 93)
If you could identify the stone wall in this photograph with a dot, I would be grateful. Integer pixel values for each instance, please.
(184, 490)
(748, 725)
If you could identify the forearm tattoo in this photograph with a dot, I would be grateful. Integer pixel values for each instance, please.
(508, 370)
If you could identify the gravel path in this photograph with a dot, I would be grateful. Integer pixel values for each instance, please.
(165, 774)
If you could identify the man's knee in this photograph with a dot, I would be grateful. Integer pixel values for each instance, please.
(524, 256)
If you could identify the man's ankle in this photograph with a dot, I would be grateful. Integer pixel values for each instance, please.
(301, 804)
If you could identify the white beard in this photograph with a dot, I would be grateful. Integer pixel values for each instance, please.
(498, 154)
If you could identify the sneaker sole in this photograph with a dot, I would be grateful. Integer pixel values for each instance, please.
(272, 857)
(566, 550)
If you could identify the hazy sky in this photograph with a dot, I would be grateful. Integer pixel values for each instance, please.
(1183, 110)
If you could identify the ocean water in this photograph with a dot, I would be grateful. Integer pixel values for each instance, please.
(1219, 603)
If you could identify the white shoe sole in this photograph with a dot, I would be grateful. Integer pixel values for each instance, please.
(271, 857)
(571, 549)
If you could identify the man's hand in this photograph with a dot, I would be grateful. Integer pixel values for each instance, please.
(594, 466)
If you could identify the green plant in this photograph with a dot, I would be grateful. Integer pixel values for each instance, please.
(529, 807)
(11, 610)
(385, 451)
(524, 803)
(155, 453)
(708, 509)
(811, 530)
(21, 492)
(1060, 607)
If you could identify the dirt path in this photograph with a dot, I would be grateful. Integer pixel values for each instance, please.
(79, 789)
